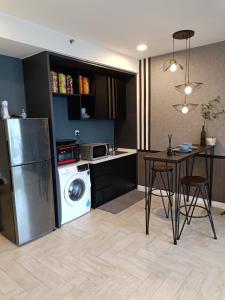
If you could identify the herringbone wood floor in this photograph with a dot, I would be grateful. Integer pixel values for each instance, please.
(105, 256)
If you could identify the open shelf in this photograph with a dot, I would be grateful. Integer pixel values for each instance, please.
(89, 95)
(76, 95)
(75, 105)
(64, 95)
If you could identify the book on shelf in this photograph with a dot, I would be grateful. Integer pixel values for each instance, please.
(69, 84)
(62, 83)
(84, 84)
(54, 82)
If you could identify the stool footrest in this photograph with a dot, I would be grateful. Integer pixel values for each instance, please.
(195, 217)
(159, 194)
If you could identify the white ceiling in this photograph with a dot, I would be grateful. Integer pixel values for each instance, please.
(122, 24)
(15, 49)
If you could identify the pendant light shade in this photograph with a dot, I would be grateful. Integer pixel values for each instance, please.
(187, 87)
(171, 64)
(185, 107)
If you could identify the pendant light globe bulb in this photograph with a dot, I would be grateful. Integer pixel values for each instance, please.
(184, 109)
(188, 89)
(173, 67)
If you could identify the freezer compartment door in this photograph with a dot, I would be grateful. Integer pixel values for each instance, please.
(33, 201)
(28, 140)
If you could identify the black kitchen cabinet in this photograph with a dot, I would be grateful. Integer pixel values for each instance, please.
(110, 98)
(120, 99)
(106, 99)
(101, 110)
(126, 128)
(112, 179)
(116, 88)
(107, 102)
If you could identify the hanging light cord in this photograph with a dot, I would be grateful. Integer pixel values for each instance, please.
(185, 99)
(189, 57)
(173, 48)
(186, 64)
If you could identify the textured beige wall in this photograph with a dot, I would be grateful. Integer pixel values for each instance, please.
(207, 66)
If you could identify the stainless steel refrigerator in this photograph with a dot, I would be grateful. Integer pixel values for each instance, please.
(26, 192)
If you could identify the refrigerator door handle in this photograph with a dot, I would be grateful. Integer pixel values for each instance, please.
(3, 181)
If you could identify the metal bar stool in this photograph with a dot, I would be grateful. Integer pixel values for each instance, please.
(165, 173)
(201, 188)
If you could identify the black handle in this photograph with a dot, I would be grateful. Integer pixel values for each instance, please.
(2, 181)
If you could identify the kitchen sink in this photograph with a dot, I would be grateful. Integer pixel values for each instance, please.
(117, 152)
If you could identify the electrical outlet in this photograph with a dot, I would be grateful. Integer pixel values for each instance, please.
(77, 132)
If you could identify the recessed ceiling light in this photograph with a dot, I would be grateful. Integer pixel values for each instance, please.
(142, 47)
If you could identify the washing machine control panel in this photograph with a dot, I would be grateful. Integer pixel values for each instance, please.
(82, 168)
(63, 170)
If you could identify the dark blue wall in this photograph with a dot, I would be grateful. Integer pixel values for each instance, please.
(12, 90)
(91, 131)
(11, 83)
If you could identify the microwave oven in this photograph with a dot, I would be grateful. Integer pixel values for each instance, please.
(94, 151)
(67, 152)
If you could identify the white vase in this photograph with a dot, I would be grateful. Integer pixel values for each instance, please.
(210, 141)
(84, 114)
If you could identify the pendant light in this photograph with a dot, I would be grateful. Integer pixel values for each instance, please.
(172, 64)
(187, 87)
(185, 107)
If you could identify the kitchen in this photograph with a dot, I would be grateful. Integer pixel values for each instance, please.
(123, 119)
(62, 100)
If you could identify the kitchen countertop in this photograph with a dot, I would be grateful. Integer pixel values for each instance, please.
(111, 157)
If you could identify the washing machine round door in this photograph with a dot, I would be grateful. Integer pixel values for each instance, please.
(74, 190)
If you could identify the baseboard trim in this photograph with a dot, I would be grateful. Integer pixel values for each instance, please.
(214, 203)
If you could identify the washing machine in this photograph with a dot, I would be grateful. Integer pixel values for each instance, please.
(75, 187)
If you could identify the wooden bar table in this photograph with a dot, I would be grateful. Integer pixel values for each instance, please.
(176, 160)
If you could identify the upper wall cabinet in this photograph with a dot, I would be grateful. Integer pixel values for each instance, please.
(106, 100)
(92, 92)
(110, 98)
(116, 98)
(101, 108)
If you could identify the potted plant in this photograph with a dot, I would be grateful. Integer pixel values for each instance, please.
(209, 111)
